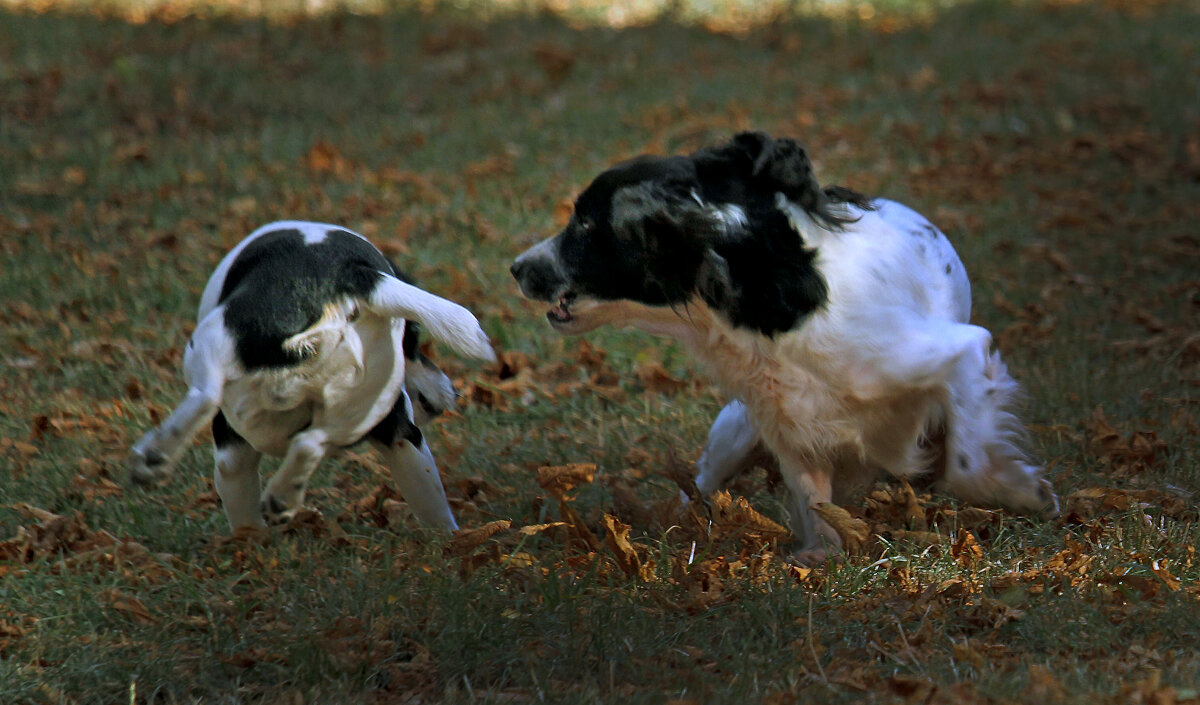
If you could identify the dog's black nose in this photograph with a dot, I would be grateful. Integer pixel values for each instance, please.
(516, 268)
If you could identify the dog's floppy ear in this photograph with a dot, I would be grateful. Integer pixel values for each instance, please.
(755, 163)
(781, 165)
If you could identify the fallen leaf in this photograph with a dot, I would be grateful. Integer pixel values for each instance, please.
(737, 515)
(966, 549)
(616, 536)
(129, 605)
(852, 530)
(467, 540)
(560, 479)
(534, 529)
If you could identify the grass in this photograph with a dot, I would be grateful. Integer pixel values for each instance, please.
(1054, 142)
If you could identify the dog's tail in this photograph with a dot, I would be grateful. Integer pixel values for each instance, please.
(445, 320)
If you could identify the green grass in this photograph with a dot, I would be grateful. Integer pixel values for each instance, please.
(1054, 142)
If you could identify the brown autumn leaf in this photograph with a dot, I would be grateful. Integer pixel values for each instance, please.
(1130, 454)
(555, 61)
(563, 210)
(128, 605)
(323, 157)
(896, 506)
(590, 356)
(578, 528)
(703, 584)
(467, 540)
(616, 537)
(966, 549)
(1146, 587)
(738, 516)
(12, 630)
(535, 529)
(975, 517)
(922, 539)
(1162, 572)
(1082, 505)
(992, 613)
(912, 688)
(560, 479)
(852, 530)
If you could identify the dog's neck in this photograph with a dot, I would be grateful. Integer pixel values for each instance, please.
(746, 365)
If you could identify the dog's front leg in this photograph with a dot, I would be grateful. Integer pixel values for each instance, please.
(810, 482)
(204, 364)
(733, 445)
(284, 494)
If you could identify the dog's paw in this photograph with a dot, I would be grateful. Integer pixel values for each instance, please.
(276, 511)
(147, 466)
(812, 557)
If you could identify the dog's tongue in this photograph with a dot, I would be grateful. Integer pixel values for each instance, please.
(560, 311)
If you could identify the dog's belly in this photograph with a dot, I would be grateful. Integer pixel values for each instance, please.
(893, 431)
(269, 431)
(345, 391)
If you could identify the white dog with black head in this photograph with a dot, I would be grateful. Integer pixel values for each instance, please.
(307, 343)
(837, 324)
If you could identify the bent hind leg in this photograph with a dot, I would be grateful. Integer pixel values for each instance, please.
(235, 475)
(412, 465)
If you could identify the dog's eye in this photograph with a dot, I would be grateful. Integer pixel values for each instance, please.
(584, 223)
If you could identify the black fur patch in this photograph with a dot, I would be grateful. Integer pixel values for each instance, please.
(775, 279)
(223, 434)
(278, 286)
(396, 427)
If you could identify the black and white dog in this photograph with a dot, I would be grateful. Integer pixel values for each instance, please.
(307, 343)
(837, 324)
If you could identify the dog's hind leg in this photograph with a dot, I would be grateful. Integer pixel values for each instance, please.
(208, 355)
(235, 474)
(413, 468)
(284, 494)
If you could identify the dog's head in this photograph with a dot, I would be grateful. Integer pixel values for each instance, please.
(714, 226)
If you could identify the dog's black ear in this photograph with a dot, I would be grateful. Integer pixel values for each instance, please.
(783, 165)
(755, 163)
(774, 165)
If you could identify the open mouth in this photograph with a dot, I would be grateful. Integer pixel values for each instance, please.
(562, 312)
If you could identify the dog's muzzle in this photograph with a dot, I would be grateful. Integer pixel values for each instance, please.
(539, 273)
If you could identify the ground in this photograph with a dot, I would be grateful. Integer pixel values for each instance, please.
(1057, 144)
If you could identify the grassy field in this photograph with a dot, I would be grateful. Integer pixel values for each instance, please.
(1057, 143)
